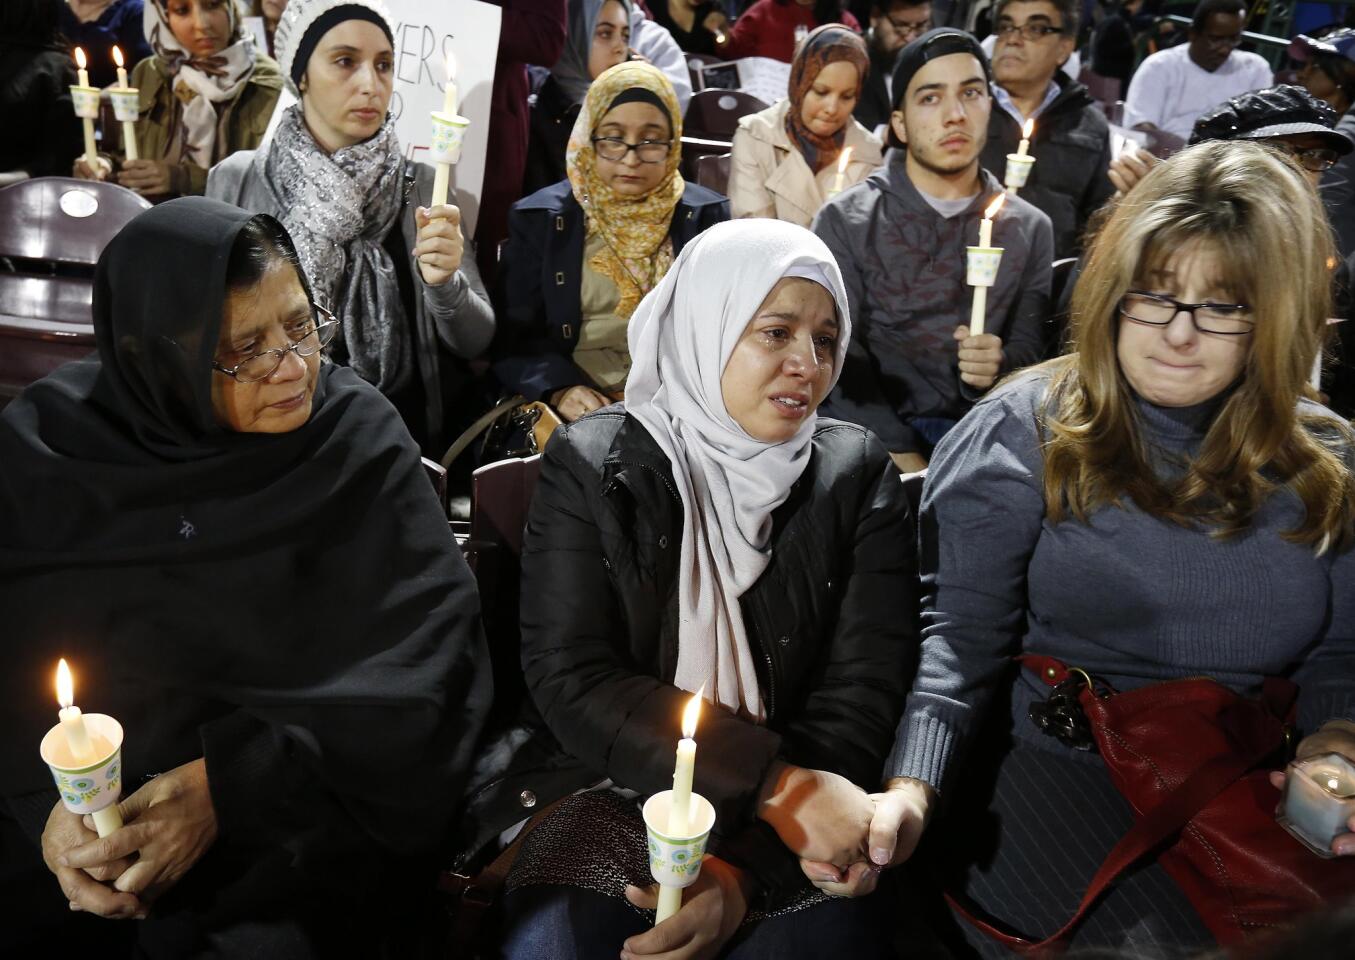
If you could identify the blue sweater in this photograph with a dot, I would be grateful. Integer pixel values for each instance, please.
(1126, 596)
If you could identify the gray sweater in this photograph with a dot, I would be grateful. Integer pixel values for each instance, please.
(456, 314)
(1126, 596)
(904, 268)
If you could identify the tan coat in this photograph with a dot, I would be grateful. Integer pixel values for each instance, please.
(768, 176)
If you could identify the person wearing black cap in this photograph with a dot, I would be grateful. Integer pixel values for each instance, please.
(398, 275)
(900, 236)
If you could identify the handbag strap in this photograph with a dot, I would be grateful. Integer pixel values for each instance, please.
(1159, 824)
(478, 427)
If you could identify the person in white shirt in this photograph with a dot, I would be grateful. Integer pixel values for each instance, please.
(1174, 86)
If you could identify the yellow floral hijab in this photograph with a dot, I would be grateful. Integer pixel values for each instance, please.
(638, 250)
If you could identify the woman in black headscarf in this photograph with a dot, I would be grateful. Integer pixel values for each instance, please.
(238, 550)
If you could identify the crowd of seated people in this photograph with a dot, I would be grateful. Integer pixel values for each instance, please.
(791, 477)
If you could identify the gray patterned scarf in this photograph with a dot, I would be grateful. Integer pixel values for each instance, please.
(338, 208)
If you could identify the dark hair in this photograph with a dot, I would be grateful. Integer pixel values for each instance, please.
(1069, 11)
(36, 22)
(882, 7)
(260, 244)
(1208, 8)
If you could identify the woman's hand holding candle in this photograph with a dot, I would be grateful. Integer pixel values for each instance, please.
(87, 890)
(150, 178)
(170, 824)
(439, 245)
(1335, 736)
(714, 907)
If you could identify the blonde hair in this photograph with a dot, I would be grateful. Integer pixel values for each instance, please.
(1263, 220)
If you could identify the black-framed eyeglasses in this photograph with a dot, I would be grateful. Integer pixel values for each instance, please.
(649, 151)
(1312, 159)
(307, 339)
(1030, 32)
(909, 29)
(1226, 319)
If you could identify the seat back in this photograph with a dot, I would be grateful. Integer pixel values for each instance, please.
(694, 150)
(501, 494)
(52, 231)
(715, 114)
(712, 172)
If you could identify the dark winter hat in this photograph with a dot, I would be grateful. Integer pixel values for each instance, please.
(1285, 110)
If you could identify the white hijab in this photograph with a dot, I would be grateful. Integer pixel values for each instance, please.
(681, 336)
(200, 83)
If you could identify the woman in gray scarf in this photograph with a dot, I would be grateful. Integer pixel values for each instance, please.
(396, 274)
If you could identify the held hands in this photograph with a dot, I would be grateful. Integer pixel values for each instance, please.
(169, 824)
(901, 814)
(818, 815)
(712, 909)
(439, 245)
(980, 357)
(87, 890)
(573, 402)
(1336, 736)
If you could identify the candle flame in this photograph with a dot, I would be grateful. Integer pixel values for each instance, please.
(994, 207)
(65, 686)
(1028, 129)
(451, 66)
(845, 159)
(692, 714)
(1333, 784)
(80, 60)
(117, 56)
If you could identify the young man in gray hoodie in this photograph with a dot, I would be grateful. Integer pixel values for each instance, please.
(913, 368)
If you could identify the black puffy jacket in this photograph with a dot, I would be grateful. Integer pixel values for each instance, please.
(832, 621)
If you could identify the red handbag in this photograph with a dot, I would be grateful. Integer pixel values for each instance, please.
(1193, 759)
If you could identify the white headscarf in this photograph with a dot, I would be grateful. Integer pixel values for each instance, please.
(200, 83)
(681, 336)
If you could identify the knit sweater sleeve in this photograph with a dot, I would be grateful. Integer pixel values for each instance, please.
(984, 491)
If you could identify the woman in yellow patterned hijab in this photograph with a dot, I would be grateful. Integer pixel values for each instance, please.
(622, 162)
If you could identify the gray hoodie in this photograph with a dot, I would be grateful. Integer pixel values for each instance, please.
(904, 267)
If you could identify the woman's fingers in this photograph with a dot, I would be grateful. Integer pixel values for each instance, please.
(119, 844)
(89, 896)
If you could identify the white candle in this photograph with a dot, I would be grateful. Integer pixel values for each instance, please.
(442, 172)
(839, 180)
(986, 225)
(82, 78)
(680, 809)
(1024, 147)
(72, 722)
(978, 311)
(128, 127)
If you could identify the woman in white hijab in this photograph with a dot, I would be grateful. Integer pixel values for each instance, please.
(713, 535)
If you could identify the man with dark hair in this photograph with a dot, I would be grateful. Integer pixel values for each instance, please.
(913, 366)
(1174, 86)
(893, 24)
(1071, 144)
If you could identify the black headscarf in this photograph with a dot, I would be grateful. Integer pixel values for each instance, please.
(293, 607)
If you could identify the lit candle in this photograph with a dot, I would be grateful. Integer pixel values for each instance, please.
(72, 721)
(128, 126)
(82, 76)
(979, 310)
(443, 171)
(680, 812)
(840, 179)
(986, 226)
(1024, 147)
(1319, 800)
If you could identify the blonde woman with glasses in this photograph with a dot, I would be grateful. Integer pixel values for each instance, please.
(1165, 502)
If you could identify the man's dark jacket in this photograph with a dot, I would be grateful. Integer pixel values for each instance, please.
(832, 623)
(1071, 148)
